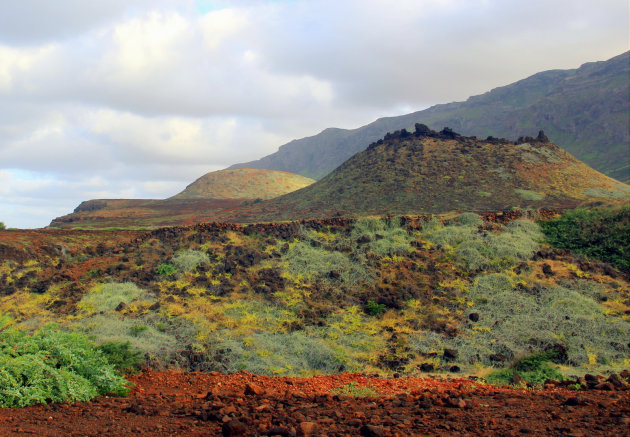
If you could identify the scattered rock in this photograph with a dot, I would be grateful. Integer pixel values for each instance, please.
(372, 431)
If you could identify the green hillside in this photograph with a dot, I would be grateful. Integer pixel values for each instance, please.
(585, 111)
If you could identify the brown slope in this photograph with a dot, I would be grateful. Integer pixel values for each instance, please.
(431, 172)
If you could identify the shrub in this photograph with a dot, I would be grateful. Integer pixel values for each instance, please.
(124, 358)
(374, 309)
(355, 390)
(165, 269)
(188, 260)
(477, 250)
(383, 236)
(53, 366)
(278, 353)
(2, 226)
(142, 334)
(303, 260)
(105, 298)
(534, 369)
(603, 234)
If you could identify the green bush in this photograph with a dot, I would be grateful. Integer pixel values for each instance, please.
(53, 366)
(534, 369)
(385, 236)
(355, 390)
(374, 309)
(603, 234)
(2, 226)
(124, 358)
(188, 260)
(165, 269)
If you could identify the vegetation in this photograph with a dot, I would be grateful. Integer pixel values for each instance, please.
(535, 370)
(602, 234)
(373, 295)
(355, 390)
(2, 226)
(53, 366)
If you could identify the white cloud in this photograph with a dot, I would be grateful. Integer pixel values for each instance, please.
(139, 98)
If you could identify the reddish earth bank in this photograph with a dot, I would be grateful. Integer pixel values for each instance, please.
(242, 404)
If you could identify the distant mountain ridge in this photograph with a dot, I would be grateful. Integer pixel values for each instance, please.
(585, 111)
(438, 172)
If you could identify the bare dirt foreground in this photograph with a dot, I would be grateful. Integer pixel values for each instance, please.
(242, 404)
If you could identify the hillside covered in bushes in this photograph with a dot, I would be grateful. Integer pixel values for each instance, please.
(459, 293)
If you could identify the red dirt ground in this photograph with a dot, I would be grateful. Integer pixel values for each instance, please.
(242, 404)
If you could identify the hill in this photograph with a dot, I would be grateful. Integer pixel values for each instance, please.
(438, 172)
(244, 183)
(204, 198)
(585, 111)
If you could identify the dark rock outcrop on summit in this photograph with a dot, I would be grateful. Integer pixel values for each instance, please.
(427, 171)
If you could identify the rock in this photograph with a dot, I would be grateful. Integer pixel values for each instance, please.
(121, 306)
(546, 269)
(497, 357)
(615, 380)
(254, 390)
(474, 317)
(607, 386)
(454, 369)
(307, 429)
(279, 430)
(427, 367)
(450, 354)
(372, 431)
(234, 428)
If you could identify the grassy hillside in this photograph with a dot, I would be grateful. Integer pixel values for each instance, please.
(385, 295)
(244, 183)
(585, 111)
(438, 172)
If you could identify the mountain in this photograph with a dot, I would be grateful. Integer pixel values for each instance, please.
(586, 111)
(438, 172)
(204, 198)
(245, 183)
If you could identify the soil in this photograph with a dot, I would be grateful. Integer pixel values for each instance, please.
(243, 404)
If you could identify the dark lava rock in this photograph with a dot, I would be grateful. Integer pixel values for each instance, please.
(234, 428)
(450, 354)
(474, 317)
(372, 431)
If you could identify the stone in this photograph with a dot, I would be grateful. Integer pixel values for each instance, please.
(307, 429)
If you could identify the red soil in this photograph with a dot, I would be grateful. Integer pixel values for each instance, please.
(198, 404)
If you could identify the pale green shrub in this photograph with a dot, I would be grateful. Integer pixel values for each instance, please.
(106, 297)
(188, 260)
(278, 353)
(387, 235)
(303, 260)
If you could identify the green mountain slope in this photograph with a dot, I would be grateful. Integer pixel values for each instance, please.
(438, 172)
(585, 111)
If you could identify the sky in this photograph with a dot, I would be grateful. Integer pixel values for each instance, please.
(138, 98)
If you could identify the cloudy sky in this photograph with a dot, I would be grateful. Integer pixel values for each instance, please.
(137, 98)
